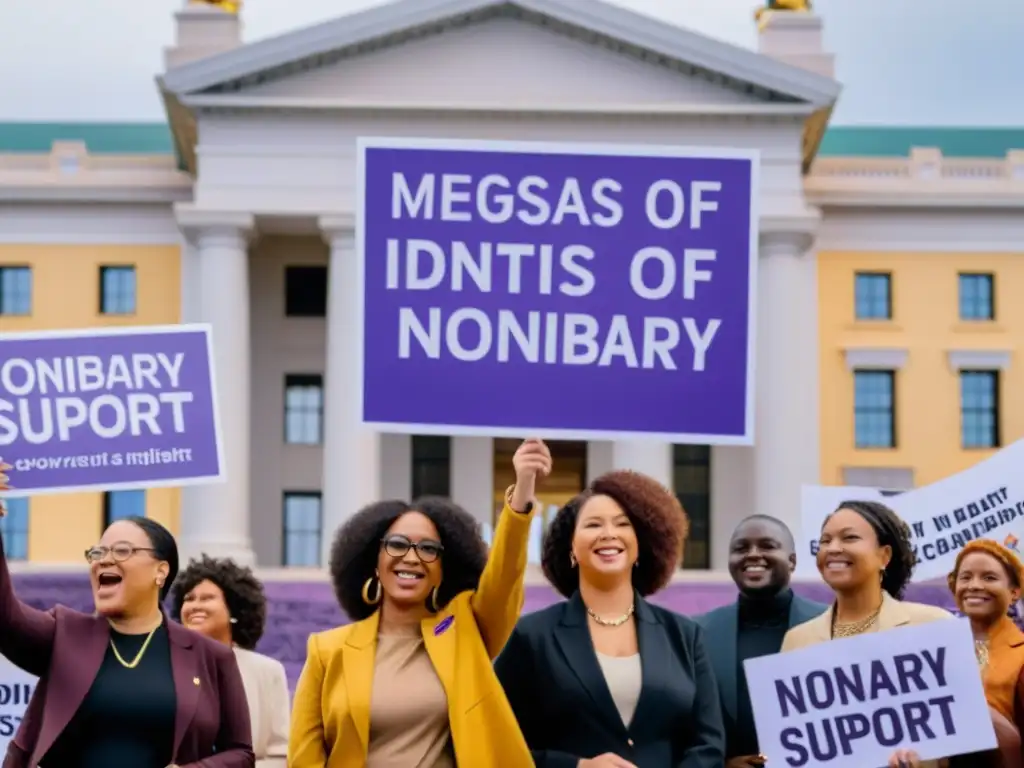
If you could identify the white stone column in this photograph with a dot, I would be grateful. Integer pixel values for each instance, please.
(651, 457)
(396, 466)
(787, 432)
(191, 307)
(352, 462)
(600, 459)
(215, 518)
(472, 472)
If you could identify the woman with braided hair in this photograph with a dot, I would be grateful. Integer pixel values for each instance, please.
(865, 555)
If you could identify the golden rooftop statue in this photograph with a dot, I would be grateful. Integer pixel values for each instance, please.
(763, 14)
(231, 6)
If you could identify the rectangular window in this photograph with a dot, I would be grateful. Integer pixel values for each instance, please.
(431, 465)
(14, 529)
(117, 291)
(16, 291)
(305, 291)
(302, 524)
(872, 296)
(303, 409)
(117, 505)
(979, 409)
(874, 406)
(976, 297)
(691, 479)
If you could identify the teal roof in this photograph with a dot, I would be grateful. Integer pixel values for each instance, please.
(874, 141)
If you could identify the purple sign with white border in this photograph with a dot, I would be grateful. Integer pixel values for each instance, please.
(557, 290)
(108, 408)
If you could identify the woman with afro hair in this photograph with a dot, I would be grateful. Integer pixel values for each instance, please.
(986, 580)
(866, 557)
(225, 602)
(607, 679)
(411, 682)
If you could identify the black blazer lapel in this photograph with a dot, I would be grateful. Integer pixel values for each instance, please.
(720, 630)
(802, 610)
(655, 657)
(573, 638)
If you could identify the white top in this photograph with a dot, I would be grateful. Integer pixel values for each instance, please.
(624, 677)
(266, 689)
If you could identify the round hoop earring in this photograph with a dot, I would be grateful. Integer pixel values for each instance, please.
(373, 581)
(432, 600)
(572, 560)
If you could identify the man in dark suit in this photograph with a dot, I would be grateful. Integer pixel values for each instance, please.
(762, 558)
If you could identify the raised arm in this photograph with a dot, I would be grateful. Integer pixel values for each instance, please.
(26, 633)
(233, 748)
(276, 703)
(706, 744)
(307, 747)
(499, 597)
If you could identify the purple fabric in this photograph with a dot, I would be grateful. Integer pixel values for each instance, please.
(296, 609)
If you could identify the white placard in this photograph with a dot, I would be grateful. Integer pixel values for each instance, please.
(16, 687)
(851, 703)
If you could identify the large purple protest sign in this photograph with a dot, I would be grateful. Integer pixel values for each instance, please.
(562, 291)
(108, 408)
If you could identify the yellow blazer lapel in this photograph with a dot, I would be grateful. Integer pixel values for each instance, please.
(821, 626)
(439, 640)
(358, 656)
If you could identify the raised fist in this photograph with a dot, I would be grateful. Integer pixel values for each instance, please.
(532, 459)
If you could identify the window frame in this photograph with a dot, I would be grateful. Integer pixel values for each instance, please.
(18, 270)
(117, 270)
(987, 278)
(869, 277)
(303, 381)
(287, 532)
(867, 410)
(15, 528)
(293, 297)
(994, 412)
(109, 499)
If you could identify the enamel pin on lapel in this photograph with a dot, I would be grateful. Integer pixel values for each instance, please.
(444, 625)
(195, 681)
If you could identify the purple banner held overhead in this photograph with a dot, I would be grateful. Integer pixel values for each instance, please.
(562, 291)
(108, 408)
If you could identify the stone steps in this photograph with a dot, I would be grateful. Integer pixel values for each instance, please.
(297, 609)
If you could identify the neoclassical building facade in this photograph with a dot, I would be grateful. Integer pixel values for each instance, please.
(239, 212)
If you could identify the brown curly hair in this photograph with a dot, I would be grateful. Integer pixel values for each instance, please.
(657, 516)
(1011, 562)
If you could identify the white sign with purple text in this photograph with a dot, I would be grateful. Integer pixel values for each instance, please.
(852, 702)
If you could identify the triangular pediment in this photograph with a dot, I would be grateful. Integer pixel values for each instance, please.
(465, 52)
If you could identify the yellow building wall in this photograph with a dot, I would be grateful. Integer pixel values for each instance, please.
(66, 294)
(925, 322)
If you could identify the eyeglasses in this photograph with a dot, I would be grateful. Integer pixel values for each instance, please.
(120, 551)
(398, 546)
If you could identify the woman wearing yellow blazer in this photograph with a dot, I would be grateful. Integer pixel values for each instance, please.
(865, 555)
(410, 683)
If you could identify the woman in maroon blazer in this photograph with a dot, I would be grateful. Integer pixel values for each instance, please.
(125, 686)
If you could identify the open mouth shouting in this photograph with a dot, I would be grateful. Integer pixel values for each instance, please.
(108, 582)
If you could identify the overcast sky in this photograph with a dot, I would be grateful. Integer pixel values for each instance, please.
(902, 62)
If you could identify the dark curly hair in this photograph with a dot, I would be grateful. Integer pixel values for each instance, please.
(357, 545)
(891, 531)
(243, 595)
(658, 518)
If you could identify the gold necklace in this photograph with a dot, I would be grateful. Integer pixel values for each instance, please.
(981, 653)
(612, 622)
(854, 628)
(138, 657)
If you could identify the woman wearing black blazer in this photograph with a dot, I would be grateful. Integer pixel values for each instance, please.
(608, 680)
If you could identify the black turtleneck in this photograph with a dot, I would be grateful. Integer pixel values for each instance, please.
(762, 625)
